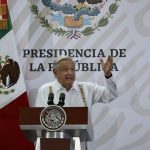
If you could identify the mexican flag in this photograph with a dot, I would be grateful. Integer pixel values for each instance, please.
(12, 88)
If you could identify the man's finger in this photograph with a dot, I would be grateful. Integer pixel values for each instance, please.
(101, 61)
(109, 57)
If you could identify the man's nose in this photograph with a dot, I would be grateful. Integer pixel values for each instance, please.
(70, 71)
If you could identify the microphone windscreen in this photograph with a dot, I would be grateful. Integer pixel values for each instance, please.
(62, 96)
(50, 99)
(51, 96)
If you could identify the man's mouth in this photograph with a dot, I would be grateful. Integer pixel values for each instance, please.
(69, 78)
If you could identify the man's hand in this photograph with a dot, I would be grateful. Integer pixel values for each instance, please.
(107, 66)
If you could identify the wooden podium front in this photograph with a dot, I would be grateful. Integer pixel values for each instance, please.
(55, 144)
(76, 126)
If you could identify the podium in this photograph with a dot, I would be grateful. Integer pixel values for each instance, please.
(76, 126)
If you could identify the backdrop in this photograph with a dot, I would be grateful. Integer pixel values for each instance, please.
(87, 32)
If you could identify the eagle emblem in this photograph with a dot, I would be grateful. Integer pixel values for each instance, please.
(53, 118)
(75, 19)
(9, 74)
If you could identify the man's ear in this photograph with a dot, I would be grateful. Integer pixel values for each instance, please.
(54, 72)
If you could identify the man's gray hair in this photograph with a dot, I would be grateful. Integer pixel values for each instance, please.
(59, 59)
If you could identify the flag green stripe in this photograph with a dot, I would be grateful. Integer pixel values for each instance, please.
(4, 32)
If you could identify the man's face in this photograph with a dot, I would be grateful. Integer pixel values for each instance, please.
(65, 73)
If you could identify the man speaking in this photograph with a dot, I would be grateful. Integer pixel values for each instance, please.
(67, 92)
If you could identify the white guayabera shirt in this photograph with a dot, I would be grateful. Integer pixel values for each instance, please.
(81, 94)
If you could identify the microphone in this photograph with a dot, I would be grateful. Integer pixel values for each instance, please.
(50, 99)
(61, 99)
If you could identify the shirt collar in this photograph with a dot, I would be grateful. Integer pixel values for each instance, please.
(75, 87)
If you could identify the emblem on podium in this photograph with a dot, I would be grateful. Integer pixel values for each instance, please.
(53, 118)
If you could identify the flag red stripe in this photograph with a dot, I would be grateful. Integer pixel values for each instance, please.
(3, 1)
(11, 136)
